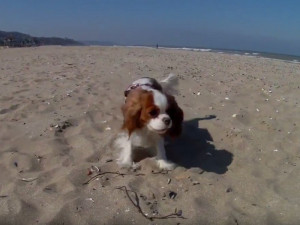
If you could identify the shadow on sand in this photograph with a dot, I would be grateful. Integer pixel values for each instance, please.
(194, 149)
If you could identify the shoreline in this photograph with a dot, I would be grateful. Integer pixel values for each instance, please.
(249, 53)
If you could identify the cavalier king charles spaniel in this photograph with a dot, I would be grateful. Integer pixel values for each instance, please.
(150, 113)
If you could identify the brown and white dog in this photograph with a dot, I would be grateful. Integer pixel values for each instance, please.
(150, 113)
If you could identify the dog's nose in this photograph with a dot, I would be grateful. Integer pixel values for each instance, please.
(167, 121)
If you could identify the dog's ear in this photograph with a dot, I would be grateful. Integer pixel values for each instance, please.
(132, 112)
(176, 114)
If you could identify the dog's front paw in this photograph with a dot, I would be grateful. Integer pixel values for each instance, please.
(165, 165)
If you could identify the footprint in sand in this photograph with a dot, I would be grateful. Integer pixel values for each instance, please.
(12, 108)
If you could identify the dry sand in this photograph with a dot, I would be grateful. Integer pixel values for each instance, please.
(238, 158)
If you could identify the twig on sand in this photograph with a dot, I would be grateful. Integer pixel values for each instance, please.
(136, 203)
(160, 172)
(109, 172)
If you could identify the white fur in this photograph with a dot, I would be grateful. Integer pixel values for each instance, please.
(160, 100)
(142, 81)
(150, 136)
(157, 124)
(142, 138)
(170, 83)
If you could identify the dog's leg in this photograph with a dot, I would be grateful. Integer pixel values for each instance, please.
(124, 145)
(162, 161)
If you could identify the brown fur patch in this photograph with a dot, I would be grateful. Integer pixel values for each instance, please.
(136, 110)
(139, 107)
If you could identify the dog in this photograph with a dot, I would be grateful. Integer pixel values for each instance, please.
(150, 113)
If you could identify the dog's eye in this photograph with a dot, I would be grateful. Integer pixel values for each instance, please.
(154, 113)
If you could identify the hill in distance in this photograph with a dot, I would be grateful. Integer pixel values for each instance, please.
(17, 39)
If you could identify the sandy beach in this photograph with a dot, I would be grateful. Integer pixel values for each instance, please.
(238, 157)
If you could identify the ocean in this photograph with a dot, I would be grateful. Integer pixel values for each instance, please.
(284, 57)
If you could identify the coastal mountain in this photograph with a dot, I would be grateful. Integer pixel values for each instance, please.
(17, 39)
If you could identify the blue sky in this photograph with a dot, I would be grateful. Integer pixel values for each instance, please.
(259, 25)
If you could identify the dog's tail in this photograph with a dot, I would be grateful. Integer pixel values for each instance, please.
(170, 84)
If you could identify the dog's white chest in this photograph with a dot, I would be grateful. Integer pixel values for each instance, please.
(144, 138)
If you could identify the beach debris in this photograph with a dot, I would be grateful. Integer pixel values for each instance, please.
(234, 115)
(267, 92)
(172, 194)
(275, 150)
(178, 212)
(69, 93)
(169, 181)
(89, 199)
(229, 190)
(199, 93)
(226, 98)
(16, 164)
(29, 179)
(257, 110)
(143, 197)
(93, 169)
(160, 172)
(47, 188)
(101, 174)
(236, 221)
(62, 126)
(38, 158)
(153, 196)
(196, 183)
(108, 160)
(136, 203)
(155, 212)
(107, 128)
